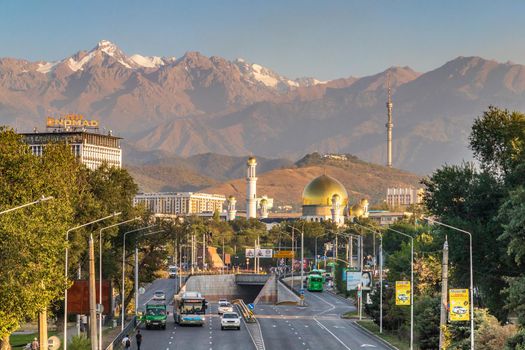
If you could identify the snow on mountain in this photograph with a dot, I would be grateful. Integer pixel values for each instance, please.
(262, 75)
(150, 61)
(46, 67)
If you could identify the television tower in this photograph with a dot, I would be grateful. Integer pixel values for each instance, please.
(389, 125)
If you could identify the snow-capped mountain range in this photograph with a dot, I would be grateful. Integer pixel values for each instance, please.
(196, 104)
(106, 51)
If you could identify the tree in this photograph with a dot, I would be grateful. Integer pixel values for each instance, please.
(427, 321)
(498, 141)
(32, 239)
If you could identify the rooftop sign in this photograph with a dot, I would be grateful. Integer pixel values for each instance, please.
(71, 121)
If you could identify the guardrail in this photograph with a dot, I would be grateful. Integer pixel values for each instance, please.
(246, 313)
(118, 339)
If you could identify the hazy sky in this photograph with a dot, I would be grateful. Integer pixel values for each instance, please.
(321, 38)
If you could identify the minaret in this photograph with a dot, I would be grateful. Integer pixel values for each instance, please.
(336, 208)
(264, 208)
(389, 126)
(251, 188)
(231, 208)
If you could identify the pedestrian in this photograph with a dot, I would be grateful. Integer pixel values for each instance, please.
(35, 345)
(138, 337)
(126, 342)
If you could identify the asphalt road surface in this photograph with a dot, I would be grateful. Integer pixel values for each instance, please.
(317, 326)
(208, 337)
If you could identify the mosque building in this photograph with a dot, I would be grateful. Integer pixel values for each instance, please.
(326, 199)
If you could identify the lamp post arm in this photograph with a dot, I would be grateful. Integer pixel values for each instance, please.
(42, 199)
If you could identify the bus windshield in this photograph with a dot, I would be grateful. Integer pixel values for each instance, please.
(191, 308)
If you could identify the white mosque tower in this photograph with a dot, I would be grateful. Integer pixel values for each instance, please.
(231, 208)
(389, 125)
(251, 188)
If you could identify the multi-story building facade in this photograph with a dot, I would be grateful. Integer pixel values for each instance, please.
(402, 197)
(91, 148)
(180, 203)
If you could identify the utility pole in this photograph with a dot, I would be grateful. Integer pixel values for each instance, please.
(136, 279)
(92, 300)
(444, 296)
(42, 329)
(78, 315)
(204, 250)
(192, 252)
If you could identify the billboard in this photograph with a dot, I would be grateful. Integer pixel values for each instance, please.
(366, 280)
(353, 280)
(78, 297)
(261, 253)
(459, 305)
(402, 293)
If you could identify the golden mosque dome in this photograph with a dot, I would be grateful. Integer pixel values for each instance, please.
(264, 201)
(251, 161)
(321, 190)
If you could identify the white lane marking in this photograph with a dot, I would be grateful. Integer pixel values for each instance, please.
(332, 307)
(368, 346)
(306, 326)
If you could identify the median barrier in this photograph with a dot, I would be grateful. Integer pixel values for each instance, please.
(246, 313)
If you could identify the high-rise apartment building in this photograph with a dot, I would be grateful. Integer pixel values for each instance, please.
(402, 197)
(180, 203)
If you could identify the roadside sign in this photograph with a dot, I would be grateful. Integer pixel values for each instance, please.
(250, 306)
(301, 291)
(142, 290)
(53, 342)
(284, 254)
(353, 280)
(261, 253)
(459, 305)
(402, 293)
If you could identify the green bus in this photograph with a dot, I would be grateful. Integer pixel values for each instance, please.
(314, 283)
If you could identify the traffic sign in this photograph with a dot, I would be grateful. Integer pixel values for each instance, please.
(53, 343)
(301, 291)
(142, 290)
(284, 254)
(250, 306)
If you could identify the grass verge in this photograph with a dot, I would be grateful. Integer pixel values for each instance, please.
(386, 335)
(19, 341)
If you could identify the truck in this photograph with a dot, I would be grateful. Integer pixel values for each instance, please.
(155, 315)
(189, 308)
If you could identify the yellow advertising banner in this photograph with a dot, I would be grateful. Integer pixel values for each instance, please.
(283, 254)
(402, 292)
(459, 305)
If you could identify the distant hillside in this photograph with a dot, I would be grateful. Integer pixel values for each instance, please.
(360, 178)
(172, 173)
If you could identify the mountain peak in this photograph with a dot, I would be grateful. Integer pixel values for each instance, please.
(107, 47)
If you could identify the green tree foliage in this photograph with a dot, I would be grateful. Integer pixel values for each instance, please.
(427, 311)
(32, 239)
(498, 141)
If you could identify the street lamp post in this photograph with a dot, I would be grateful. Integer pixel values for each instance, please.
(42, 199)
(122, 310)
(100, 273)
(471, 276)
(411, 283)
(66, 267)
(302, 254)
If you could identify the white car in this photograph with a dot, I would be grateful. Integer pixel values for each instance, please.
(230, 320)
(159, 295)
(224, 306)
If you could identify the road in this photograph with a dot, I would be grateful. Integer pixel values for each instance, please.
(209, 337)
(317, 326)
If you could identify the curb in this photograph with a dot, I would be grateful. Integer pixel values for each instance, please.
(375, 336)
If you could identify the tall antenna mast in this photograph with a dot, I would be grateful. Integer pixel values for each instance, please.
(389, 124)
